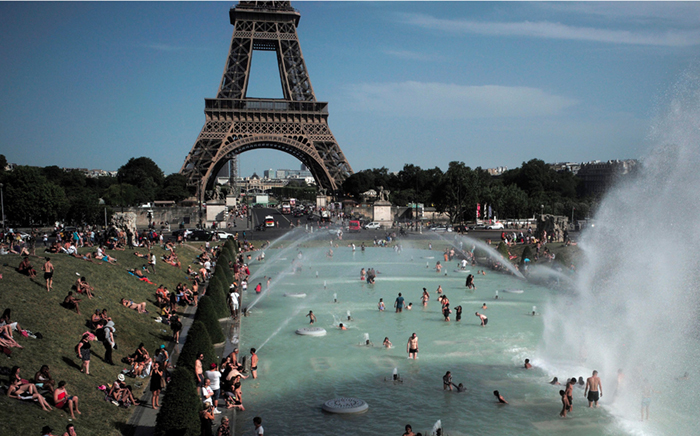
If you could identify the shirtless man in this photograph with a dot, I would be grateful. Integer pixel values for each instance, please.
(412, 346)
(198, 369)
(484, 319)
(593, 386)
(253, 363)
(48, 274)
(528, 365)
(570, 392)
(409, 431)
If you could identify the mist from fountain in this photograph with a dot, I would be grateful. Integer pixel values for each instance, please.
(636, 307)
(490, 251)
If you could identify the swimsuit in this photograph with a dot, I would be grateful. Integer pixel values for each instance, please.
(593, 396)
(48, 274)
(412, 350)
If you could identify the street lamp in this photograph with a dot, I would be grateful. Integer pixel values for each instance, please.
(541, 209)
(2, 202)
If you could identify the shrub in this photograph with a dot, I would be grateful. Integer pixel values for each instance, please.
(224, 272)
(179, 414)
(217, 293)
(206, 314)
(198, 341)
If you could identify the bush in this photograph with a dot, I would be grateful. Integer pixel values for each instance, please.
(179, 414)
(231, 245)
(206, 314)
(218, 294)
(198, 341)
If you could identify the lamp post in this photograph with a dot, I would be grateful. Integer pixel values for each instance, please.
(572, 218)
(2, 202)
(541, 209)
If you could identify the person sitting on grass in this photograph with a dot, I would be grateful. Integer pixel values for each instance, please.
(70, 302)
(140, 307)
(43, 379)
(82, 287)
(6, 339)
(61, 399)
(27, 392)
(121, 393)
(25, 267)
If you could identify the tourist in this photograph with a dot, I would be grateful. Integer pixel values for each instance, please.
(570, 392)
(527, 364)
(254, 362)
(470, 282)
(647, 392)
(484, 320)
(446, 311)
(500, 398)
(398, 304)
(257, 421)
(43, 379)
(62, 400)
(555, 381)
(311, 316)
(139, 307)
(439, 291)
(48, 273)
(70, 302)
(387, 342)
(483, 307)
(425, 297)
(214, 377)
(566, 405)
(594, 388)
(206, 419)
(410, 306)
(82, 349)
(70, 430)
(108, 341)
(409, 431)
(199, 374)
(224, 429)
(461, 388)
(381, 306)
(447, 381)
(152, 263)
(176, 327)
(155, 384)
(362, 274)
(458, 311)
(412, 346)
(25, 267)
(82, 287)
(27, 392)
(342, 327)
(207, 394)
(438, 267)
(46, 431)
(258, 288)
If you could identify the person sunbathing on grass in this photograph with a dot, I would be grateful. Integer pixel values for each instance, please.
(82, 286)
(140, 307)
(27, 392)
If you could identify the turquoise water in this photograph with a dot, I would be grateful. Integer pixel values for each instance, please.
(297, 374)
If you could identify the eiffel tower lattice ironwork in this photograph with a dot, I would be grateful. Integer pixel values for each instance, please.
(296, 124)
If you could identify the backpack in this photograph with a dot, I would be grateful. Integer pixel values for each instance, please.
(101, 334)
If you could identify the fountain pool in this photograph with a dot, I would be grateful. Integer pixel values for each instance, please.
(297, 374)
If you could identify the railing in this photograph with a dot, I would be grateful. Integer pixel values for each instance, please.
(225, 104)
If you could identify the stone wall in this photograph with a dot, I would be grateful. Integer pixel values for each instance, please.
(554, 225)
(173, 215)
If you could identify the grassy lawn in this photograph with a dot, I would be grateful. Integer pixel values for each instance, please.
(40, 311)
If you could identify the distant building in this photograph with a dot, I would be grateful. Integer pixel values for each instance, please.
(597, 176)
(496, 171)
(569, 167)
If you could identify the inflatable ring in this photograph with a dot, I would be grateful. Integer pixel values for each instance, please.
(345, 405)
(311, 331)
(295, 295)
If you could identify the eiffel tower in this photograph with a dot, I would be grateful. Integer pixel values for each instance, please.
(296, 124)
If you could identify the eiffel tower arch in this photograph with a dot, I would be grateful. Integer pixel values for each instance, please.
(296, 124)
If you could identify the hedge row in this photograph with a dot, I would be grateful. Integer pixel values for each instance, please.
(179, 414)
(206, 315)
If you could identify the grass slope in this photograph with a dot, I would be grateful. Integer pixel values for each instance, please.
(40, 311)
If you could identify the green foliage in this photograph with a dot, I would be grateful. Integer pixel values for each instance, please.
(217, 290)
(174, 188)
(207, 316)
(179, 414)
(31, 199)
(198, 341)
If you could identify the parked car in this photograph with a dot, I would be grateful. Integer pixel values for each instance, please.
(495, 226)
(373, 225)
(461, 228)
(441, 229)
(200, 235)
(221, 234)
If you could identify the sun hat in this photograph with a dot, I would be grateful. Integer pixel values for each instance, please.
(213, 365)
(121, 377)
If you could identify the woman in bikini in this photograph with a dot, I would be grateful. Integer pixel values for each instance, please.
(27, 392)
(140, 307)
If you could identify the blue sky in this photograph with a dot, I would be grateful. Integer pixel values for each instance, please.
(487, 83)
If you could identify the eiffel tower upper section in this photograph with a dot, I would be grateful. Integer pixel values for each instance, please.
(296, 124)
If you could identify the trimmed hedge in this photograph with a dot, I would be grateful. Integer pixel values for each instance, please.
(198, 341)
(205, 313)
(503, 250)
(527, 254)
(217, 293)
(179, 414)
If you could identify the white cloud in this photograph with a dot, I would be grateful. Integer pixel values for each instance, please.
(449, 101)
(678, 14)
(549, 30)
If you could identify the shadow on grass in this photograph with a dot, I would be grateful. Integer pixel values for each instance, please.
(162, 336)
(125, 429)
(68, 361)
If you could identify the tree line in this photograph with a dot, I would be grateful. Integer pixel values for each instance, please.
(518, 193)
(43, 195)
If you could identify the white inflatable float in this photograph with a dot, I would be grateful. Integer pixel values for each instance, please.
(311, 331)
(295, 295)
(345, 405)
(513, 291)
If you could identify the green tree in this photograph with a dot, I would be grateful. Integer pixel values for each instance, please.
(31, 199)
(458, 190)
